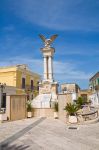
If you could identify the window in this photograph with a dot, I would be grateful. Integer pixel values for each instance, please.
(3, 103)
(65, 89)
(37, 85)
(31, 84)
(23, 83)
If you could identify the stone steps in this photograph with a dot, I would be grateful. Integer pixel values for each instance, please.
(42, 101)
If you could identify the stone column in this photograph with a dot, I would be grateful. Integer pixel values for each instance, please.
(50, 68)
(45, 68)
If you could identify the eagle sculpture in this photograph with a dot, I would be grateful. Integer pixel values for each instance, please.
(48, 42)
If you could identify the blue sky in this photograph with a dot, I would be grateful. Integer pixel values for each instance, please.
(77, 46)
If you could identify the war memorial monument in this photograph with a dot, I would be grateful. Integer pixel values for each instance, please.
(48, 88)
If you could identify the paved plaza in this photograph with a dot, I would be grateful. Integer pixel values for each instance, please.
(48, 134)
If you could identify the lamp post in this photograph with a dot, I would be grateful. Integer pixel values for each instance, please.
(2, 87)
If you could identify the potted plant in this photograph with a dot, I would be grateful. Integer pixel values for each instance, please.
(72, 112)
(3, 116)
(29, 109)
(56, 110)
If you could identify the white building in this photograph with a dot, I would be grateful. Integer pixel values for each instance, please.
(71, 88)
(94, 86)
(94, 99)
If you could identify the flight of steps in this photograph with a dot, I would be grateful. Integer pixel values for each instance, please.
(42, 101)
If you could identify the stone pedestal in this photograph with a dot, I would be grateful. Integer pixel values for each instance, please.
(48, 87)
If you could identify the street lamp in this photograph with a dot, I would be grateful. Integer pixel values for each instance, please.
(2, 87)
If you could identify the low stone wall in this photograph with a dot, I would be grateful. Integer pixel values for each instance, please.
(43, 112)
(63, 99)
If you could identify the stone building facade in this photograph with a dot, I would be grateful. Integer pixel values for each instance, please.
(21, 78)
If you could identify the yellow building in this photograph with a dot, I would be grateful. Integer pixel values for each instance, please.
(22, 78)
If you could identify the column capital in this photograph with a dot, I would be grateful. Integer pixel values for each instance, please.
(50, 56)
(44, 56)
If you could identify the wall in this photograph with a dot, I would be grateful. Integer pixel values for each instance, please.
(63, 99)
(94, 99)
(28, 77)
(69, 87)
(9, 78)
(12, 76)
(8, 106)
(16, 107)
(19, 79)
(43, 112)
(9, 90)
(87, 93)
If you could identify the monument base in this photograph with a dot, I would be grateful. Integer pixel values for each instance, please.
(47, 87)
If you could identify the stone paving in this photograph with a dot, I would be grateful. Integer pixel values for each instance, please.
(51, 134)
(11, 128)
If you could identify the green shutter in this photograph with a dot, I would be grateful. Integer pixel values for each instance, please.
(98, 81)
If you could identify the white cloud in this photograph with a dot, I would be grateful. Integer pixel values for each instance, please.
(35, 64)
(58, 14)
(9, 28)
(16, 44)
(62, 70)
(69, 71)
(76, 49)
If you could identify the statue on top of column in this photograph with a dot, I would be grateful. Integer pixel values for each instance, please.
(48, 42)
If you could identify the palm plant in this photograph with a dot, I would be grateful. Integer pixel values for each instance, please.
(71, 109)
(29, 106)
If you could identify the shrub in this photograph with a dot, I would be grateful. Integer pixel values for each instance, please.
(71, 109)
(81, 101)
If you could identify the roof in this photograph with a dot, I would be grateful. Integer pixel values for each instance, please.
(68, 83)
(94, 77)
(13, 66)
(19, 67)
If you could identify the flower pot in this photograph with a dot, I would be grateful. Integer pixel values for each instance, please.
(3, 117)
(29, 114)
(72, 119)
(55, 115)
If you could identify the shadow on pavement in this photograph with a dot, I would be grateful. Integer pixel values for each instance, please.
(13, 147)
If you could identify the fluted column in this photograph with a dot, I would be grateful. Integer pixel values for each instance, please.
(45, 68)
(50, 68)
